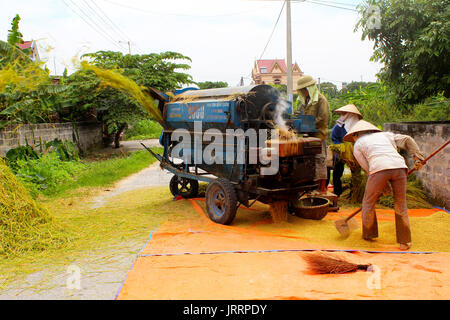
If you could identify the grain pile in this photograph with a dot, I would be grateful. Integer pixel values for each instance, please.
(24, 224)
(279, 211)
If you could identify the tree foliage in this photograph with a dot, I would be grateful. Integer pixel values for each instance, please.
(156, 70)
(411, 39)
(355, 86)
(14, 35)
(26, 94)
(212, 84)
(329, 89)
(117, 109)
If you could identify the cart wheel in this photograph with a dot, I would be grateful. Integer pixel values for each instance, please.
(221, 201)
(187, 188)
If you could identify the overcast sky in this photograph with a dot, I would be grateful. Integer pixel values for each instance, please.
(223, 38)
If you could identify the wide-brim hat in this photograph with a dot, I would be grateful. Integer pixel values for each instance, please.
(360, 126)
(350, 108)
(305, 81)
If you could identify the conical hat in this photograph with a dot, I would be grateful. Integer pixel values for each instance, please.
(360, 126)
(351, 108)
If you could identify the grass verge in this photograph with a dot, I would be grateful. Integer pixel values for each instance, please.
(106, 172)
(144, 129)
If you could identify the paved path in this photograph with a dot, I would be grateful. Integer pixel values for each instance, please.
(153, 176)
(102, 274)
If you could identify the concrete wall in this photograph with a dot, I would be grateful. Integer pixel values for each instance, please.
(90, 134)
(435, 175)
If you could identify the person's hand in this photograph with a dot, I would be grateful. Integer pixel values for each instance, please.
(418, 157)
(418, 165)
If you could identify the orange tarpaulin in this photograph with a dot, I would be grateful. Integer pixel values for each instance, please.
(194, 258)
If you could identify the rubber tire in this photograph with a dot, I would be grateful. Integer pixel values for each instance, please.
(229, 201)
(175, 190)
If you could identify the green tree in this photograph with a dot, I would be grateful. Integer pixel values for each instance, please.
(14, 35)
(354, 86)
(118, 110)
(212, 84)
(411, 39)
(329, 89)
(26, 94)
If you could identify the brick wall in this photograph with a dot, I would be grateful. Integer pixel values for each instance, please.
(89, 133)
(435, 175)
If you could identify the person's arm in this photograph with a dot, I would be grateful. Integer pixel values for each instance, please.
(407, 143)
(322, 114)
(360, 157)
(334, 135)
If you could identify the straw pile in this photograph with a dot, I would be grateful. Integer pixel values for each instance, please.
(24, 224)
(279, 211)
(288, 142)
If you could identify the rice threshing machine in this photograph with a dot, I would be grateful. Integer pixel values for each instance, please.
(226, 123)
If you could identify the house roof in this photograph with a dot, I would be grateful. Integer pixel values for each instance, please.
(269, 64)
(25, 45)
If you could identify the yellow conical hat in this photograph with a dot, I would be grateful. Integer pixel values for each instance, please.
(351, 108)
(360, 126)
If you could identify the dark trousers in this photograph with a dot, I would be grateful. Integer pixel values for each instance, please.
(374, 187)
(338, 171)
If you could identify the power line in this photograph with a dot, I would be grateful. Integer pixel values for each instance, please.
(175, 14)
(99, 31)
(93, 24)
(273, 30)
(337, 3)
(270, 37)
(333, 6)
(112, 23)
(91, 17)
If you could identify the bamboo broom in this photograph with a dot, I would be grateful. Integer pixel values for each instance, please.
(321, 263)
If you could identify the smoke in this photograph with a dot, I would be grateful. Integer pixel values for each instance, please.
(280, 109)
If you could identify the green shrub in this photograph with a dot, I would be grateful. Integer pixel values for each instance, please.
(378, 106)
(45, 174)
(433, 109)
(144, 129)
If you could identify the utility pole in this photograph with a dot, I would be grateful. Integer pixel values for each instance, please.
(129, 45)
(318, 83)
(54, 64)
(289, 50)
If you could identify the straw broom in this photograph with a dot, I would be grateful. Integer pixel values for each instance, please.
(321, 263)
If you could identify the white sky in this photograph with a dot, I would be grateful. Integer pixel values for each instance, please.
(223, 38)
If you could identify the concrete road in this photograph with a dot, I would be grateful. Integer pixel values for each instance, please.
(153, 176)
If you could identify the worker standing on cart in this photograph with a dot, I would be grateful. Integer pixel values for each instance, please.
(311, 102)
(377, 154)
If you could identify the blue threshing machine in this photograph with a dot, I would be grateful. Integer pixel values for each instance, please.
(235, 183)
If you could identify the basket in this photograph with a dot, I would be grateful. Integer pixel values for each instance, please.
(315, 208)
